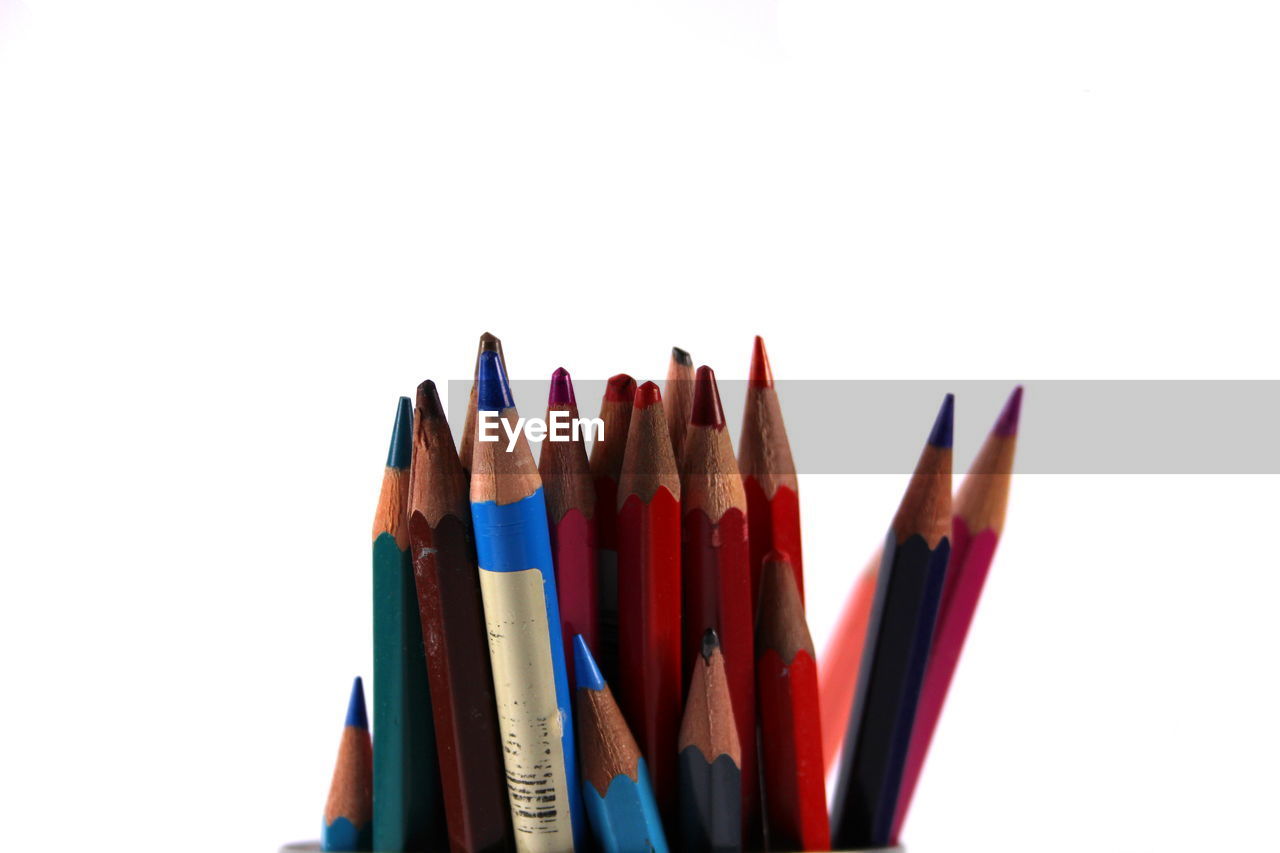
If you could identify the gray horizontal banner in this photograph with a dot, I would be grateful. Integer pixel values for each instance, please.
(1067, 427)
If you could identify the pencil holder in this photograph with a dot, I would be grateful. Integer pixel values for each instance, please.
(300, 847)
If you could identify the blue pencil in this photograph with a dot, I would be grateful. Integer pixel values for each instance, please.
(616, 790)
(348, 814)
(526, 648)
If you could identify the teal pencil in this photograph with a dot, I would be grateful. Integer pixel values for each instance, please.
(616, 790)
(407, 805)
(348, 813)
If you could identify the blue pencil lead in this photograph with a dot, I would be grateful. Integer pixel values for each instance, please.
(494, 392)
(940, 436)
(584, 665)
(356, 716)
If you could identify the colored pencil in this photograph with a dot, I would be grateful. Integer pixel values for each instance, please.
(571, 509)
(526, 648)
(616, 791)
(406, 780)
(795, 792)
(677, 399)
(606, 464)
(908, 590)
(472, 775)
(715, 567)
(466, 449)
(710, 758)
(976, 526)
(348, 813)
(768, 475)
(650, 677)
(841, 656)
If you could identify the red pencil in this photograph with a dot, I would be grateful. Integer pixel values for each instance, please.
(606, 463)
(787, 686)
(571, 509)
(768, 475)
(840, 659)
(975, 531)
(651, 684)
(716, 569)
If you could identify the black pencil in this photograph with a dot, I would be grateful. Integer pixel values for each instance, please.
(899, 633)
(710, 756)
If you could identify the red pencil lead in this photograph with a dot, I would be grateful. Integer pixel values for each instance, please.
(761, 375)
(621, 388)
(648, 395)
(707, 410)
(1007, 425)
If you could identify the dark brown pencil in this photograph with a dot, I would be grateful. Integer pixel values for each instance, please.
(455, 638)
(677, 397)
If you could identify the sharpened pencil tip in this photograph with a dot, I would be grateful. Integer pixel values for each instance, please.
(584, 665)
(494, 393)
(621, 389)
(428, 401)
(401, 450)
(680, 356)
(706, 409)
(1007, 424)
(710, 642)
(648, 395)
(940, 435)
(356, 717)
(761, 375)
(561, 393)
(490, 342)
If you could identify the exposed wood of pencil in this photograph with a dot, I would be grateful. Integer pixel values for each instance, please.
(909, 588)
(795, 792)
(677, 397)
(715, 567)
(454, 635)
(650, 673)
(606, 465)
(710, 759)
(571, 506)
(769, 474)
(978, 521)
(488, 343)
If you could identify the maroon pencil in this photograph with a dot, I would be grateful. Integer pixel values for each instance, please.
(455, 638)
(571, 508)
(606, 465)
(716, 569)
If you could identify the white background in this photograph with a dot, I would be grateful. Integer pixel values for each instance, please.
(231, 233)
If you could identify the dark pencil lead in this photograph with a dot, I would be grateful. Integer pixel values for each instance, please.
(710, 642)
(561, 389)
(1007, 424)
(428, 401)
(401, 450)
(490, 343)
(680, 356)
(356, 717)
(706, 410)
(494, 393)
(940, 435)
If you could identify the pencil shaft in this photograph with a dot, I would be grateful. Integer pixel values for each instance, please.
(573, 543)
(908, 590)
(651, 681)
(791, 756)
(774, 525)
(406, 803)
(531, 685)
(840, 660)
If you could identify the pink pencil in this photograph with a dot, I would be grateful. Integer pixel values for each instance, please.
(975, 531)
